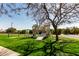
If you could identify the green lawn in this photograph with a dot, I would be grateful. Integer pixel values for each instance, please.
(72, 46)
(24, 45)
(19, 44)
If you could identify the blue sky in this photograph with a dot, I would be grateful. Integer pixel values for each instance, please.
(19, 22)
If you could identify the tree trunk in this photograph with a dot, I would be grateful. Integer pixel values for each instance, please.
(51, 50)
(56, 34)
(18, 35)
(57, 37)
(8, 35)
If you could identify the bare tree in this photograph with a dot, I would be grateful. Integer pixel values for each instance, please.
(56, 13)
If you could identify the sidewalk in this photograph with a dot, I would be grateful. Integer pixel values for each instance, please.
(7, 52)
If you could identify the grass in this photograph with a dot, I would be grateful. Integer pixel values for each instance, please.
(19, 44)
(23, 45)
(72, 45)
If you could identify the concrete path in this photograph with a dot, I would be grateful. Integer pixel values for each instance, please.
(71, 36)
(7, 52)
(40, 38)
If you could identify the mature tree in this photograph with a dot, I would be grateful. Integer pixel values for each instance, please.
(11, 30)
(74, 30)
(23, 32)
(57, 14)
(67, 31)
